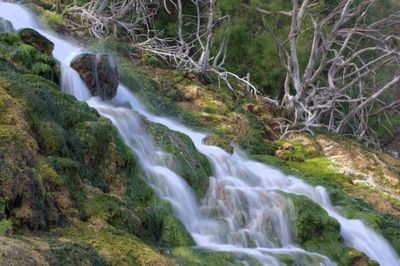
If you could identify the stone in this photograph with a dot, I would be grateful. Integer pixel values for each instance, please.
(280, 154)
(215, 140)
(99, 72)
(191, 93)
(287, 146)
(35, 39)
(6, 26)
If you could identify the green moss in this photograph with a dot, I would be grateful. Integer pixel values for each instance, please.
(201, 257)
(75, 166)
(10, 38)
(70, 253)
(6, 227)
(23, 54)
(53, 19)
(179, 76)
(254, 143)
(316, 231)
(152, 60)
(115, 246)
(321, 171)
(43, 70)
(187, 161)
(51, 138)
(47, 174)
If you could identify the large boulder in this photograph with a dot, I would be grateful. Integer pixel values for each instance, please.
(6, 26)
(35, 39)
(99, 72)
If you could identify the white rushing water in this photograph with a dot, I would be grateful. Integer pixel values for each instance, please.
(244, 211)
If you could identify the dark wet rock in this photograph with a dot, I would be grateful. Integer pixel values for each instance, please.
(6, 26)
(99, 72)
(35, 39)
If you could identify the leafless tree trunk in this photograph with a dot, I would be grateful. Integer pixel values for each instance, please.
(189, 50)
(339, 86)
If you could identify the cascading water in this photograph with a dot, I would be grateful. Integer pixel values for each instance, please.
(256, 216)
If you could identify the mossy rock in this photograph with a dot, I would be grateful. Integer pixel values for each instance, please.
(67, 144)
(219, 141)
(27, 58)
(46, 250)
(186, 256)
(316, 231)
(116, 247)
(188, 162)
(37, 40)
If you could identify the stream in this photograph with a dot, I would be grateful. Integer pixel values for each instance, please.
(245, 210)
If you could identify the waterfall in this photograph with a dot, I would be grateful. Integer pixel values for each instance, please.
(246, 194)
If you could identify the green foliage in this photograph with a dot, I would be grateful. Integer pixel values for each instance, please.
(53, 19)
(43, 70)
(152, 60)
(9, 38)
(23, 54)
(6, 227)
(228, 5)
(255, 142)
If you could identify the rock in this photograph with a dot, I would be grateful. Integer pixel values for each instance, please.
(215, 140)
(17, 252)
(191, 93)
(287, 146)
(99, 72)
(35, 39)
(280, 154)
(6, 26)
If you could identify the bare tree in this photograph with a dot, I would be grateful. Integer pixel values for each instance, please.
(191, 49)
(352, 64)
(117, 18)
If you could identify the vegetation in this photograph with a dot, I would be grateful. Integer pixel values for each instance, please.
(255, 46)
(316, 231)
(186, 161)
(65, 168)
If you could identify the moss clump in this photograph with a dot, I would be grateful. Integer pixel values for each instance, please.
(187, 161)
(321, 171)
(43, 70)
(115, 246)
(201, 257)
(27, 58)
(70, 253)
(23, 54)
(53, 19)
(316, 231)
(254, 143)
(51, 138)
(6, 227)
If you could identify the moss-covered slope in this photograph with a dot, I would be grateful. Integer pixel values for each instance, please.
(64, 168)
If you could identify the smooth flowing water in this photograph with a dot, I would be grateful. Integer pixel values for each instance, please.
(244, 211)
